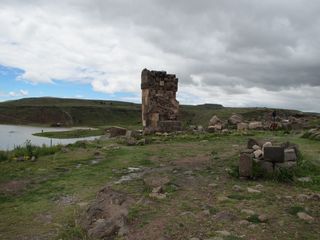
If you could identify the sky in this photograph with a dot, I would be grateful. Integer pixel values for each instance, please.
(244, 53)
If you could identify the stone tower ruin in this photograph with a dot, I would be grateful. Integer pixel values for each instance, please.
(159, 105)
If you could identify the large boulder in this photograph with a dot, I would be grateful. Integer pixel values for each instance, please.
(214, 120)
(106, 218)
(215, 128)
(255, 125)
(242, 126)
(235, 119)
(117, 131)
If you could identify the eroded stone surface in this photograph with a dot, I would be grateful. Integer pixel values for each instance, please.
(159, 105)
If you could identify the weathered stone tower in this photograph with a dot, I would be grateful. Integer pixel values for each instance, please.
(159, 105)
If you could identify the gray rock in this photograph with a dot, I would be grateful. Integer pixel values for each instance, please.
(117, 131)
(252, 190)
(290, 155)
(306, 217)
(255, 125)
(107, 216)
(256, 147)
(248, 212)
(242, 126)
(258, 154)
(214, 120)
(235, 119)
(245, 164)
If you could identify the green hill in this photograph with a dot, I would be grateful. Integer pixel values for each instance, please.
(79, 112)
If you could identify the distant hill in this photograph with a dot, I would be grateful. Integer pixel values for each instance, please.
(80, 112)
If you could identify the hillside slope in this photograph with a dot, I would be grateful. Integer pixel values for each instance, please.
(78, 112)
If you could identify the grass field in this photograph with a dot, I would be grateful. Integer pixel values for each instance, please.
(45, 199)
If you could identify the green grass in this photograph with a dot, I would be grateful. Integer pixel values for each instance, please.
(56, 174)
(77, 133)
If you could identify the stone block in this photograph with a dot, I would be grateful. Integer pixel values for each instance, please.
(242, 126)
(285, 165)
(274, 154)
(117, 131)
(266, 167)
(245, 163)
(290, 155)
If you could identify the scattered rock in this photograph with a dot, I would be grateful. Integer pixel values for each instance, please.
(258, 154)
(107, 216)
(263, 218)
(267, 144)
(244, 222)
(223, 233)
(235, 119)
(214, 128)
(237, 188)
(252, 190)
(304, 179)
(255, 125)
(242, 126)
(214, 120)
(304, 216)
(248, 212)
(224, 216)
(117, 131)
(256, 147)
(154, 180)
(213, 185)
(303, 197)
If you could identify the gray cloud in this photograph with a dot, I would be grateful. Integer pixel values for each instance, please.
(226, 49)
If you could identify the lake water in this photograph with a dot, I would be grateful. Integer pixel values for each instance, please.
(12, 135)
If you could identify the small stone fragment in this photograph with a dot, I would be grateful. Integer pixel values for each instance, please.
(304, 216)
(248, 212)
(252, 190)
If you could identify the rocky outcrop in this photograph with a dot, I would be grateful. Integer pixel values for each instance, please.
(107, 216)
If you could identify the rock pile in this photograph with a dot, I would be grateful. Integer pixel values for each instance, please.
(159, 105)
(267, 157)
(313, 134)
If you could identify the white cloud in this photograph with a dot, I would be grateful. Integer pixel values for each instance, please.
(20, 93)
(234, 53)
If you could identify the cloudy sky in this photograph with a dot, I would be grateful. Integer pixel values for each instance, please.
(233, 52)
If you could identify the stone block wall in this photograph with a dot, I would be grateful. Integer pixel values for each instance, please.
(160, 108)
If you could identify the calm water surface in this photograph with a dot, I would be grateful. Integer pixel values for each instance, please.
(12, 135)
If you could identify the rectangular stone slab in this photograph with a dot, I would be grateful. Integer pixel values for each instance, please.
(274, 154)
(245, 163)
